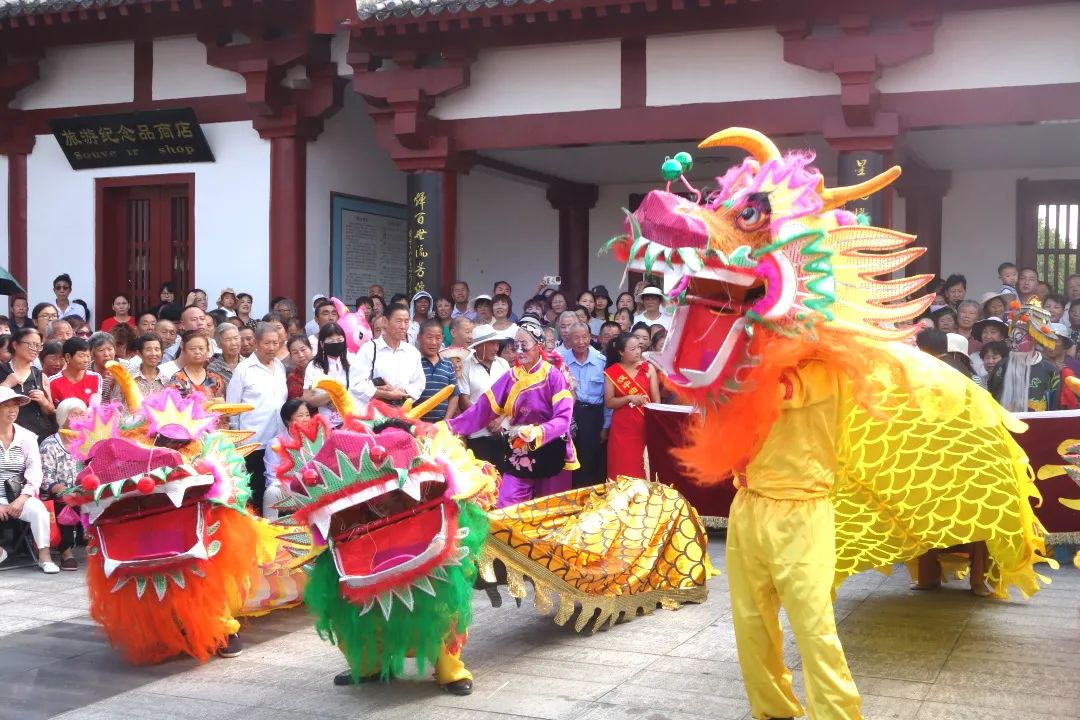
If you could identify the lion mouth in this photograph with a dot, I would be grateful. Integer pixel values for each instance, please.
(385, 531)
(142, 534)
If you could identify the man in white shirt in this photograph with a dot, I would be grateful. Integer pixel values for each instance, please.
(388, 369)
(259, 381)
(192, 318)
(479, 372)
(652, 302)
(459, 293)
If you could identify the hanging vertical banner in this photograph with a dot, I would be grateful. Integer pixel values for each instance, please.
(425, 232)
(859, 166)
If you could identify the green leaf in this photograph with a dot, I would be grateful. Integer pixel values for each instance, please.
(213, 548)
(161, 584)
(140, 586)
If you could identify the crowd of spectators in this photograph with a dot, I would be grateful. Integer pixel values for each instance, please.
(53, 362)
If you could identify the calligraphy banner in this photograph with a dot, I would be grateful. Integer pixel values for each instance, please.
(368, 246)
(152, 137)
(1046, 431)
(859, 166)
(425, 195)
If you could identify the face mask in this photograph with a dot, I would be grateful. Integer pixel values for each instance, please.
(334, 349)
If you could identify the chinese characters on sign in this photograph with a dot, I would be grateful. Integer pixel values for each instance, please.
(859, 166)
(142, 138)
(425, 231)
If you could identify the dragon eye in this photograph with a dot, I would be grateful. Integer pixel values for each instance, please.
(750, 219)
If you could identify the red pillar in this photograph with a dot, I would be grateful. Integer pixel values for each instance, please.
(288, 213)
(573, 201)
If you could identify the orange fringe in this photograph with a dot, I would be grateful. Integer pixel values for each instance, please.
(730, 433)
(193, 620)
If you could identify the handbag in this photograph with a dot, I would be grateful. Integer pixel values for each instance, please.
(543, 462)
(13, 487)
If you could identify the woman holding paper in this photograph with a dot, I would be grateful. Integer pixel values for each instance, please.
(629, 383)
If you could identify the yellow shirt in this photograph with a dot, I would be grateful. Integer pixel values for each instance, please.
(798, 459)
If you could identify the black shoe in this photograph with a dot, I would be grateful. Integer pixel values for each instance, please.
(459, 687)
(345, 679)
(233, 647)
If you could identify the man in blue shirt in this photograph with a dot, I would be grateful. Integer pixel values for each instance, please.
(586, 366)
(438, 373)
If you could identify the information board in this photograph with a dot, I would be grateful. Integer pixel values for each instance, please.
(368, 245)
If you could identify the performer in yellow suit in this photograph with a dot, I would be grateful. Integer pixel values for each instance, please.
(781, 550)
(851, 449)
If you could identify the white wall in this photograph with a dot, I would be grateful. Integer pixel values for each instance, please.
(4, 211)
(82, 75)
(727, 66)
(180, 71)
(979, 222)
(344, 159)
(995, 48)
(529, 80)
(506, 230)
(232, 206)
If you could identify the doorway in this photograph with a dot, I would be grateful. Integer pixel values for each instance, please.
(144, 238)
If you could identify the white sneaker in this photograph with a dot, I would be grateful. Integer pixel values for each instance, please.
(49, 568)
(3, 555)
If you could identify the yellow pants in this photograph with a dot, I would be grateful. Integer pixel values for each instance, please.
(783, 552)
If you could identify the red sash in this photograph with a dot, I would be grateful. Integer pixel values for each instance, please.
(626, 384)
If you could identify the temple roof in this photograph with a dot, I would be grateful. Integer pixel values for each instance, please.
(16, 8)
(386, 9)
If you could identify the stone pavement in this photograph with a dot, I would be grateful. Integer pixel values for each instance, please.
(943, 655)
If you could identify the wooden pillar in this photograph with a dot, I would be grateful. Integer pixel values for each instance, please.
(924, 190)
(857, 166)
(288, 217)
(573, 201)
(431, 197)
(17, 214)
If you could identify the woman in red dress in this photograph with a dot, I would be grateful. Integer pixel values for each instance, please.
(629, 383)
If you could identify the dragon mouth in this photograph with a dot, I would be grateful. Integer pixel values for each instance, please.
(384, 531)
(708, 338)
(148, 533)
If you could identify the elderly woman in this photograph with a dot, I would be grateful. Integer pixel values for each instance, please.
(102, 350)
(292, 412)
(536, 398)
(227, 336)
(59, 470)
(193, 375)
(20, 477)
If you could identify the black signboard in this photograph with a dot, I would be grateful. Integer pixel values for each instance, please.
(859, 166)
(153, 137)
(425, 232)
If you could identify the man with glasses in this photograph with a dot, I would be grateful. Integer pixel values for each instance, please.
(62, 288)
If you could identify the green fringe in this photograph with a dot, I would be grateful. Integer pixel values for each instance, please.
(372, 644)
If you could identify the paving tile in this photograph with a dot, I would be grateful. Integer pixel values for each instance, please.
(675, 704)
(605, 711)
(950, 711)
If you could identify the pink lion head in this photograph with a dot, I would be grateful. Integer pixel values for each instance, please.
(355, 325)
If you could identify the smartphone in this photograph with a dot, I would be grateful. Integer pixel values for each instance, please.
(552, 280)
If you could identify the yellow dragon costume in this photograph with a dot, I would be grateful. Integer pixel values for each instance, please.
(851, 449)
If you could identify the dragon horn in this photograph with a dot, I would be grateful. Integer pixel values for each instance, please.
(760, 147)
(132, 394)
(836, 197)
(428, 405)
(339, 395)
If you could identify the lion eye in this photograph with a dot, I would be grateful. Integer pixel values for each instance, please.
(751, 218)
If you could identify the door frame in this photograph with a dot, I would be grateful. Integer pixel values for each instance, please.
(101, 187)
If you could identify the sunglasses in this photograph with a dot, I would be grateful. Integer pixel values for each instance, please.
(83, 333)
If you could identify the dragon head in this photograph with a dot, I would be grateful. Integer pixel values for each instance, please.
(384, 493)
(770, 250)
